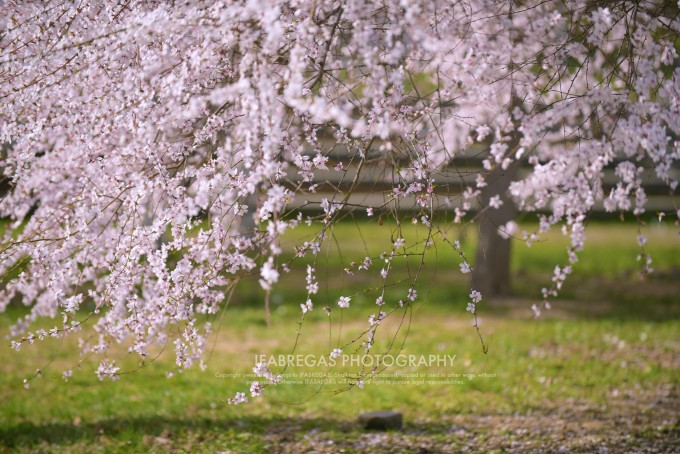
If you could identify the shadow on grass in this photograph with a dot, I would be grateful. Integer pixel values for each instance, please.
(149, 429)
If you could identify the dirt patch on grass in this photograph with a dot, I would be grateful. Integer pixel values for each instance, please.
(629, 423)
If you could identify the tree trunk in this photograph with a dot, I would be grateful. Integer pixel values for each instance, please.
(491, 274)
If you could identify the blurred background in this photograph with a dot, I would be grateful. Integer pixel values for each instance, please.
(600, 368)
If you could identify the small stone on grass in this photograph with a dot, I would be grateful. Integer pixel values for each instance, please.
(381, 420)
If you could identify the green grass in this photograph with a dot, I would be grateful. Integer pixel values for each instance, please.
(607, 355)
(611, 247)
(607, 270)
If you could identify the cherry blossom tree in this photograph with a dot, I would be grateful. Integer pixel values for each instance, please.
(157, 151)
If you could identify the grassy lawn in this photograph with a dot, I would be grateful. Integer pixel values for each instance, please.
(599, 370)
